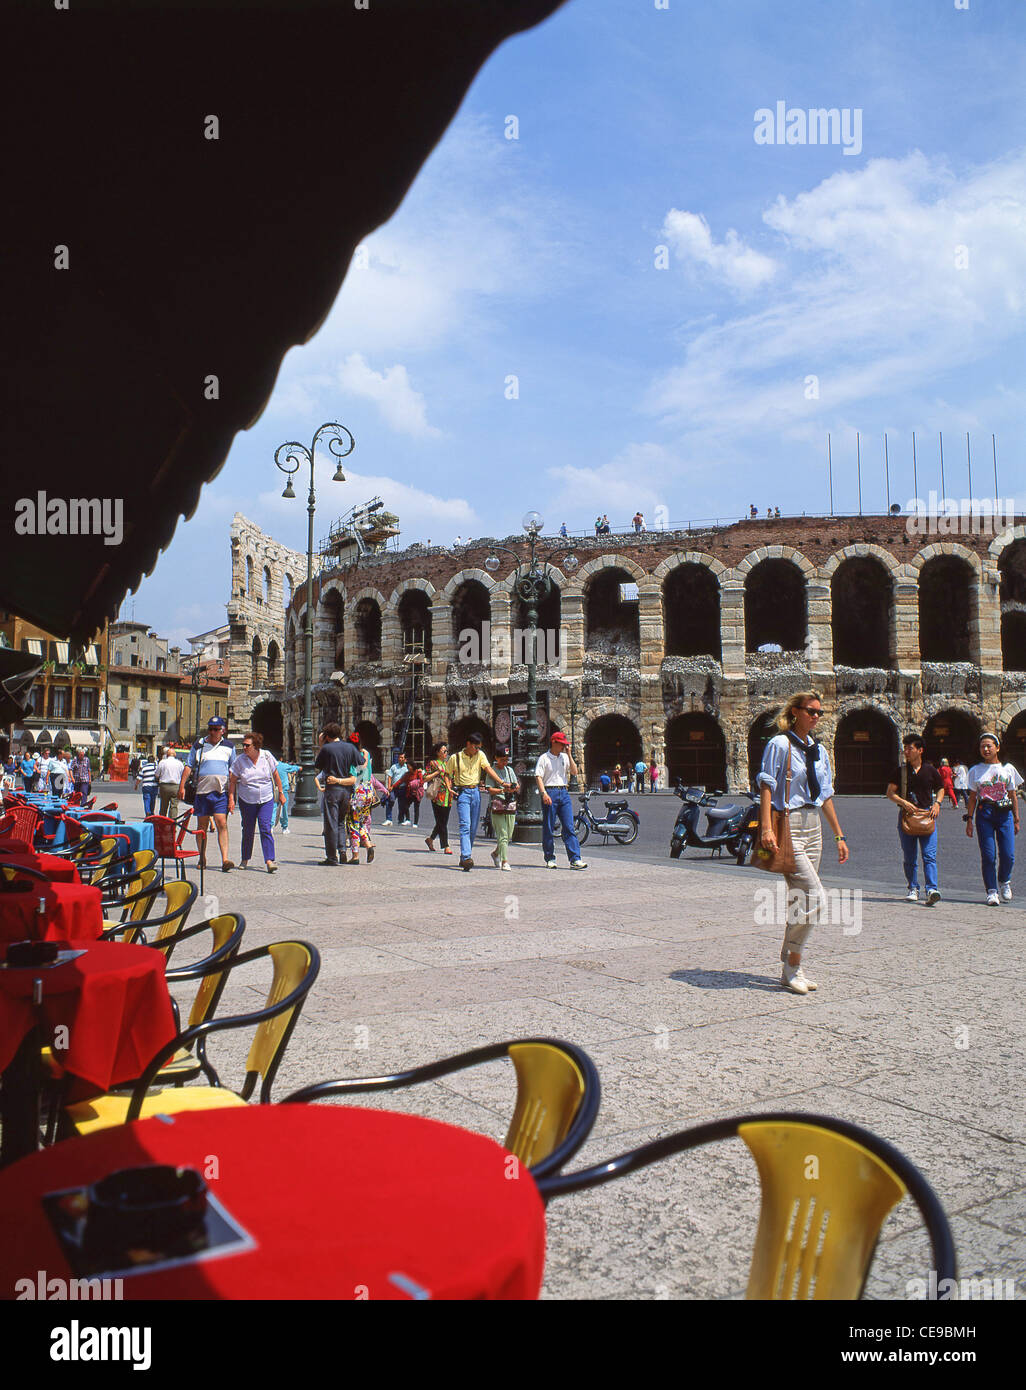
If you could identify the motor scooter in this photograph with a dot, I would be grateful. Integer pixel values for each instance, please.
(727, 827)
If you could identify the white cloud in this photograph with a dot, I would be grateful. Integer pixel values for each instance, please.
(401, 406)
(731, 261)
(633, 479)
(896, 273)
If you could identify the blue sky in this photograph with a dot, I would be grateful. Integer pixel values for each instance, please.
(677, 381)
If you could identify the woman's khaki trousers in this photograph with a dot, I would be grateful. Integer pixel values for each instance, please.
(804, 890)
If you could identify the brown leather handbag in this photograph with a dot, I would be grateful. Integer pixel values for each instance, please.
(917, 822)
(783, 861)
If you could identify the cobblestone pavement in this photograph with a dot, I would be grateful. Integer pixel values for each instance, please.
(664, 975)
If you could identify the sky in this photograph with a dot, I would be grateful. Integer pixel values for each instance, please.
(621, 282)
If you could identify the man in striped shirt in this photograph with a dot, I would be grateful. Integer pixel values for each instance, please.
(210, 761)
(146, 778)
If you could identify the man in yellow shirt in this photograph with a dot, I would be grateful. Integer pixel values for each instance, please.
(467, 770)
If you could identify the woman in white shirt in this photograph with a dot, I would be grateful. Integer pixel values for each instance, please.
(992, 798)
(255, 777)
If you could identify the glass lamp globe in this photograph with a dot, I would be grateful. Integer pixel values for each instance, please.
(570, 563)
(533, 522)
(492, 563)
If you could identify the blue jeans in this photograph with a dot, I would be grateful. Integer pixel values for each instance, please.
(251, 816)
(562, 807)
(993, 825)
(909, 845)
(468, 809)
(149, 796)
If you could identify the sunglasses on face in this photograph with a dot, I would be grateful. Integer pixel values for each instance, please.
(813, 711)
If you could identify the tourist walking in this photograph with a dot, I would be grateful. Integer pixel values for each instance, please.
(210, 762)
(552, 773)
(796, 779)
(467, 770)
(288, 772)
(503, 808)
(653, 773)
(995, 805)
(29, 767)
(254, 779)
(82, 774)
(947, 777)
(335, 766)
(617, 778)
(438, 785)
(640, 768)
(919, 802)
(58, 773)
(170, 771)
(146, 778)
(960, 778)
(397, 775)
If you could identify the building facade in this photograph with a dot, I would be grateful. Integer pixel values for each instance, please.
(681, 645)
(67, 696)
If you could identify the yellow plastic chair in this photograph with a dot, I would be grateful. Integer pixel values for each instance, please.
(295, 967)
(160, 932)
(558, 1094)
(827, 1187)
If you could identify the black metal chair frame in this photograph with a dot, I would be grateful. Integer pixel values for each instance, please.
(583, 1121)
(934, 1217)
(145, 923)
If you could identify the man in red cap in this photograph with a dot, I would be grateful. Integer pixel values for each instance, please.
(552, 773)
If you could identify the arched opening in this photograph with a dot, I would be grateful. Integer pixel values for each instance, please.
(471, 610)
(463, 728)
(256, 653)
(776, 609)
(549, 620)
(370, 738)
(249, 576)
(865, 753)
(367, 623)
(1013, 743)
(691, 612)
(762, 730)
(415, 622)
(273, 664)
(1013, 640)
(1012, 568)
(861, 597)
(954, 735)
(267, 584)
(333, 626)
(287, 589)
(612, 625)
(290, 655)
(608, 740)
(945, 587)
(696, 752)
(266, 720)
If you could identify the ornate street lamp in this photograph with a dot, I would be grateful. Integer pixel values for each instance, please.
(339, 443)
(532, 585)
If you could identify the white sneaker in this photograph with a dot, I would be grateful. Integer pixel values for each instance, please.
(809, 984)
(244, 864)
(384, 822)
(495, 857)
(791, 979)
(932, 897)
(550, 863)
(1006, 892)
(578, 864)
(507, 867)
(286, 831)
(913, 895)
(993, 900)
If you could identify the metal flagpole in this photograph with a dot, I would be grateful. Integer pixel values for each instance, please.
(969, 465)
(887, 474)
(830, 466)
(915, 479)
(940, 436)
(993, 446)
(858, 462)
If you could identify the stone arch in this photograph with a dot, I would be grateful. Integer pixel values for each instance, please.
(696, 751)
(933, 552)
(462, 576)
(865, 750)
(947, 604)
(406, 584)
(609, 738)
(409, 609)
(367, 609)
(690, 594)
(952, 733)
(863, 602)
(776, 603)
(273, 663)
(860, 550)
(601, 562)
(774, 552)
(612, 624)
(249, 576)
(689, 557)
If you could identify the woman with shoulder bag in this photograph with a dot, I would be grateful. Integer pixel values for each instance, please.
(795, 784)
(503, 808)
(919, 805)
(438, 786)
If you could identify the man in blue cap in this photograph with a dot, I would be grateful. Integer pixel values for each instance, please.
(210, 761)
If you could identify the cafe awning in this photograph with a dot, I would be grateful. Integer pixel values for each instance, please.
(190, 184)
(82, 737)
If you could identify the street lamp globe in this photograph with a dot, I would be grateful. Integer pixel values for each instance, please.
(570, 564)
(288, 489)
(533, 523)
(492, 563)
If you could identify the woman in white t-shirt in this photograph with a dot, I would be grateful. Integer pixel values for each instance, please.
(254, 776)
(993, 801)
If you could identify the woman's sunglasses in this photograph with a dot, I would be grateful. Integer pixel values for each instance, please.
(810, 710)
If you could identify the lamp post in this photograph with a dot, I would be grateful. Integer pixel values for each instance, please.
(532, 585)
(339, 443)
(573, 709)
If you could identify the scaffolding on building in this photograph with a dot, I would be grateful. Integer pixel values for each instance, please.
(364, 530)
(411, 736)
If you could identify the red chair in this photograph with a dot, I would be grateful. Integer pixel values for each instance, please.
(110, 806)
(27, 821)
(168, 845)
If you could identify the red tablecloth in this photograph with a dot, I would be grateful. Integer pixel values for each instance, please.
(113, 1001)
(15, 845)
(343, 1203)
(73, 912)
(58, 870)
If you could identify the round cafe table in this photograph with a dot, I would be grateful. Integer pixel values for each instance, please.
(58, 870)
(115, 1010)
(338, 1203)
(71, 911)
